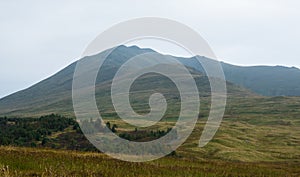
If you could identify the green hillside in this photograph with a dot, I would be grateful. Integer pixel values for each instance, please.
(259, 135)
(263, 80)
(53, 95)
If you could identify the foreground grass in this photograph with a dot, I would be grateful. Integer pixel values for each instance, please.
(45, 162)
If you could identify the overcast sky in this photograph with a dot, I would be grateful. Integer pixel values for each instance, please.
(38, 38)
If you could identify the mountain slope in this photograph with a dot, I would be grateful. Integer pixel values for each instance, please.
(264, 80)
(53, 95)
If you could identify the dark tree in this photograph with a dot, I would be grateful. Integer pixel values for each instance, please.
(113, 129)
(108, 125)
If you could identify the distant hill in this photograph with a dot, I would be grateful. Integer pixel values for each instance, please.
(53, 95)
(264, 80)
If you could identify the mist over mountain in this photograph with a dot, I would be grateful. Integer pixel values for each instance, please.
(53, 95)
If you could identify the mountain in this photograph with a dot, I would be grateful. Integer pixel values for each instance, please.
(54, 94)
(263, 80)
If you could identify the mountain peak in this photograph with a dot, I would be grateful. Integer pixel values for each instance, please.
(133, 48)
(55, 91)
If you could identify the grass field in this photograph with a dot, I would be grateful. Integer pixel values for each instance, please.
(45, 162)
(259, 136)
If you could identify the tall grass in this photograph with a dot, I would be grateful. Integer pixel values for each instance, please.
(46, 162)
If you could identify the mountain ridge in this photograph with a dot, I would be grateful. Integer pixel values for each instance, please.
(56, 90)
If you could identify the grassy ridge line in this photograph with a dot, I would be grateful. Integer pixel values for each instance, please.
(46, 162)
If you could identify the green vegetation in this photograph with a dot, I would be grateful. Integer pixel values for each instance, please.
(15, 162)
(58, 132)
(143, 135)
(258, 137)
(52, 131)
(28, 131)
(54, 94)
